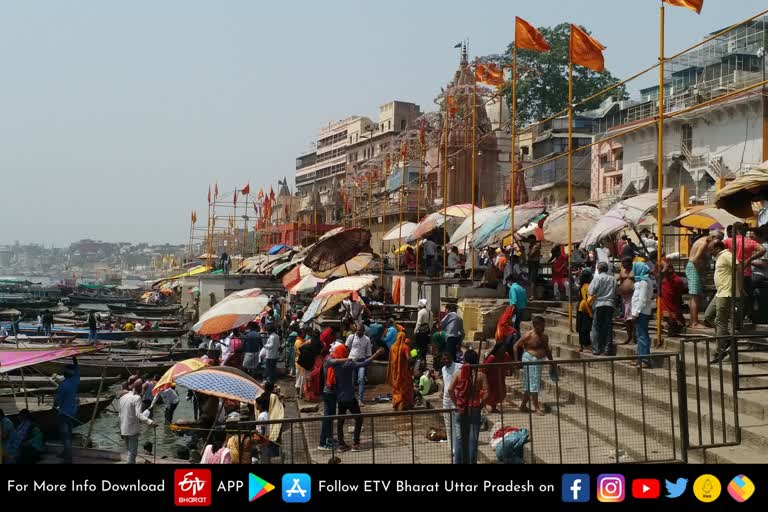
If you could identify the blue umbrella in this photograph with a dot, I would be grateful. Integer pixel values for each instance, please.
(223, 382)
(496, 227)
(277, 249)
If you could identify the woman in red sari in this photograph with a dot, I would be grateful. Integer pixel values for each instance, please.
(672, 289)
(313, 383)
(495, 375)
(399, 374)
(505, 326)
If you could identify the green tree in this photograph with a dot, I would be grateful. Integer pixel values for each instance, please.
(542, 87)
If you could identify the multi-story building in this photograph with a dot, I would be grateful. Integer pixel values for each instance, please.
(715, 131)
(342, 150)
(546, 177)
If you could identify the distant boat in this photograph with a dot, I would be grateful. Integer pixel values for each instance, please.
(87, 384)
(31, 330)
(46, 417)
(122, 368)
(144, 308)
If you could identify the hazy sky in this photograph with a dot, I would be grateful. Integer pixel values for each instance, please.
(116, 115)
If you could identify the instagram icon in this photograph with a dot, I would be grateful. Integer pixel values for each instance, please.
(610, 488)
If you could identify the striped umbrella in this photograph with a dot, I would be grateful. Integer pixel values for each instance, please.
(231, 313)
(176, 371)
(222, 382)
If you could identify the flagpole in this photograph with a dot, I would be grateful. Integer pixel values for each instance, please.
(513, 153)
(418, 192)
(402, 193)
(660, 171)
(384, 198)
(445, 188)
(191, 230)
(474, 156)
(570, 193)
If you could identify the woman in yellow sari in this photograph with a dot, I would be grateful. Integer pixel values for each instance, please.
(399, 374)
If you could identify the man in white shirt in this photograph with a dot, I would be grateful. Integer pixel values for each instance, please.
(171, 400)
(273, 352)
(129, 412)
(449, 371)
(422, 330)
(359, 346)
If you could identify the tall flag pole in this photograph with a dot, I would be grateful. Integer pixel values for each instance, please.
(446, 133)
(526, 38)
(418, 191)
(696, 6)
(404, 158)
(474, 184)
(587, 52)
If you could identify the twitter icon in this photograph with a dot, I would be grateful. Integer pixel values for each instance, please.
(676, 489)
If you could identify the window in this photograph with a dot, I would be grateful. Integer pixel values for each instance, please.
(686, 132)
(402, 124)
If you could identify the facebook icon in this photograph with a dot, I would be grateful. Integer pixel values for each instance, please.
(575, 488)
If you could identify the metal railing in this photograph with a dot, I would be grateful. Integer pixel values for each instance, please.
(385, 438)
(596, 410)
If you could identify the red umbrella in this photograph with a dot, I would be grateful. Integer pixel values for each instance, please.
(336, 250)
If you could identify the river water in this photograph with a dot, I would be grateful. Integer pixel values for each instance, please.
(106, 428)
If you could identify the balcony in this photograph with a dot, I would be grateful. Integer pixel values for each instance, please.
(612, 167)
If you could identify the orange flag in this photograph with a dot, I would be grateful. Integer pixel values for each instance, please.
(694, 5)
(453, 107)
(494, 75)
(261, 193)
(480, 72)
(234, 198)
(404, 150)
(585, 50)
(209, 194)
(194, 217)
(528, 38)
(246, 190)
(216, 190)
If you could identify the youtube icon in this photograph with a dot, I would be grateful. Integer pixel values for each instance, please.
(646, 488)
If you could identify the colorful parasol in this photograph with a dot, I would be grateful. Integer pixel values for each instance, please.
(452, 216)
(336, 250)
(353, 266)
(402, 230)
(497, 226)
(705, 217)
(625, 213)
(176, 371)
(223, 382)
(278, 249)
(737, 196)
(347, 285)
(232, 312)
(583, 217)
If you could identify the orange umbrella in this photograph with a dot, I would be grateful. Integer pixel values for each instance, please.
(177, 370)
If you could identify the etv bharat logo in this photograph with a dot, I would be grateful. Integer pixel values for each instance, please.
(192, 488)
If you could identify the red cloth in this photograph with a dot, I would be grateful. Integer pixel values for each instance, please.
(672, 289)
(504, 327)
(497, 388)
(463, 398)
(340, 352)
(559, 266)
(749, 247)
(327, 338)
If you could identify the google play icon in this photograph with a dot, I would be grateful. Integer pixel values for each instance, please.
(257, 487)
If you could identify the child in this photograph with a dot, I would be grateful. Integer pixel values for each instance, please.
(584, 314)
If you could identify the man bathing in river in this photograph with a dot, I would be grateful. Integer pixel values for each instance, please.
(535, 347)
(698, 260)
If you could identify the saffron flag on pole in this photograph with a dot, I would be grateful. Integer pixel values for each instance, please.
(216, 190)
(246, 190)
(585, 50)
(194, 217)
(234, 198)
(694, 5)
(209, 194)
(528, 38)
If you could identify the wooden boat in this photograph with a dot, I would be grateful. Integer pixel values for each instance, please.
(164, 321)
(144, 308)
(55, 340)
(82, 298)
(160, 333)
(31, 330)
(113, 368)
(46, 416)
(35, 382)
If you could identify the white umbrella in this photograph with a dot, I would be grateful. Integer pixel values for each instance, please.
(353, 266)
(347, 285)
(402, 230)
(231, 314)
